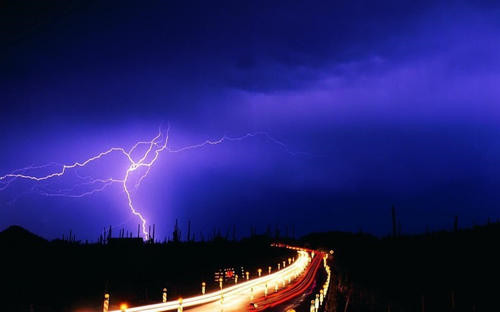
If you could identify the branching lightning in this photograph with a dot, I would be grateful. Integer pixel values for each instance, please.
(144, 160)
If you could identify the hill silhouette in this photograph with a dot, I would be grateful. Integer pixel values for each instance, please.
(439, 271)
(17, 235)
(67, 275)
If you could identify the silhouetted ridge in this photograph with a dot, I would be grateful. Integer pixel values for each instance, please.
(18, 235)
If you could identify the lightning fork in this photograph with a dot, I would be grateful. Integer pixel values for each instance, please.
(145, 160)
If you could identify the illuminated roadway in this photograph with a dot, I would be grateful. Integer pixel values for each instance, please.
(296, 288)
(289, 282)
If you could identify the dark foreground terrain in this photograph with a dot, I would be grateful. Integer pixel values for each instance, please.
(442, 271)
(38, 275)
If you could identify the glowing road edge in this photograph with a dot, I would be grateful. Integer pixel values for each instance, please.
(291, 271)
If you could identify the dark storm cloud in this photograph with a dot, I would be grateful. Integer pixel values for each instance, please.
(106, 57)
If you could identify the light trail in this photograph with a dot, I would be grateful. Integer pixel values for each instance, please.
(236, 295)
(144, 160)
(292, 291)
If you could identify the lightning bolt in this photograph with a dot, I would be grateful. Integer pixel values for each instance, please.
(144, 160)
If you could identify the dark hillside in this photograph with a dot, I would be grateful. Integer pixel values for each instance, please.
(442, 271)
(67, 275)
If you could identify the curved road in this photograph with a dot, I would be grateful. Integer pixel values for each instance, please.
(282, 285)
(295, 289)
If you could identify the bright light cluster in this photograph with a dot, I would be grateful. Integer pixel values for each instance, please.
(318, 302)
(237, 294)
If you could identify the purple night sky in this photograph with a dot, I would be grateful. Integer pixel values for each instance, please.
(387, 102)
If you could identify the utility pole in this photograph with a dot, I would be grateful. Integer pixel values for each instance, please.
(394, 226)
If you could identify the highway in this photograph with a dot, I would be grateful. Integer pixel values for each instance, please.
(281, 286)
(299, 286)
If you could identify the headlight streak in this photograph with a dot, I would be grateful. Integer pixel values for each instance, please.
(231, 294)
